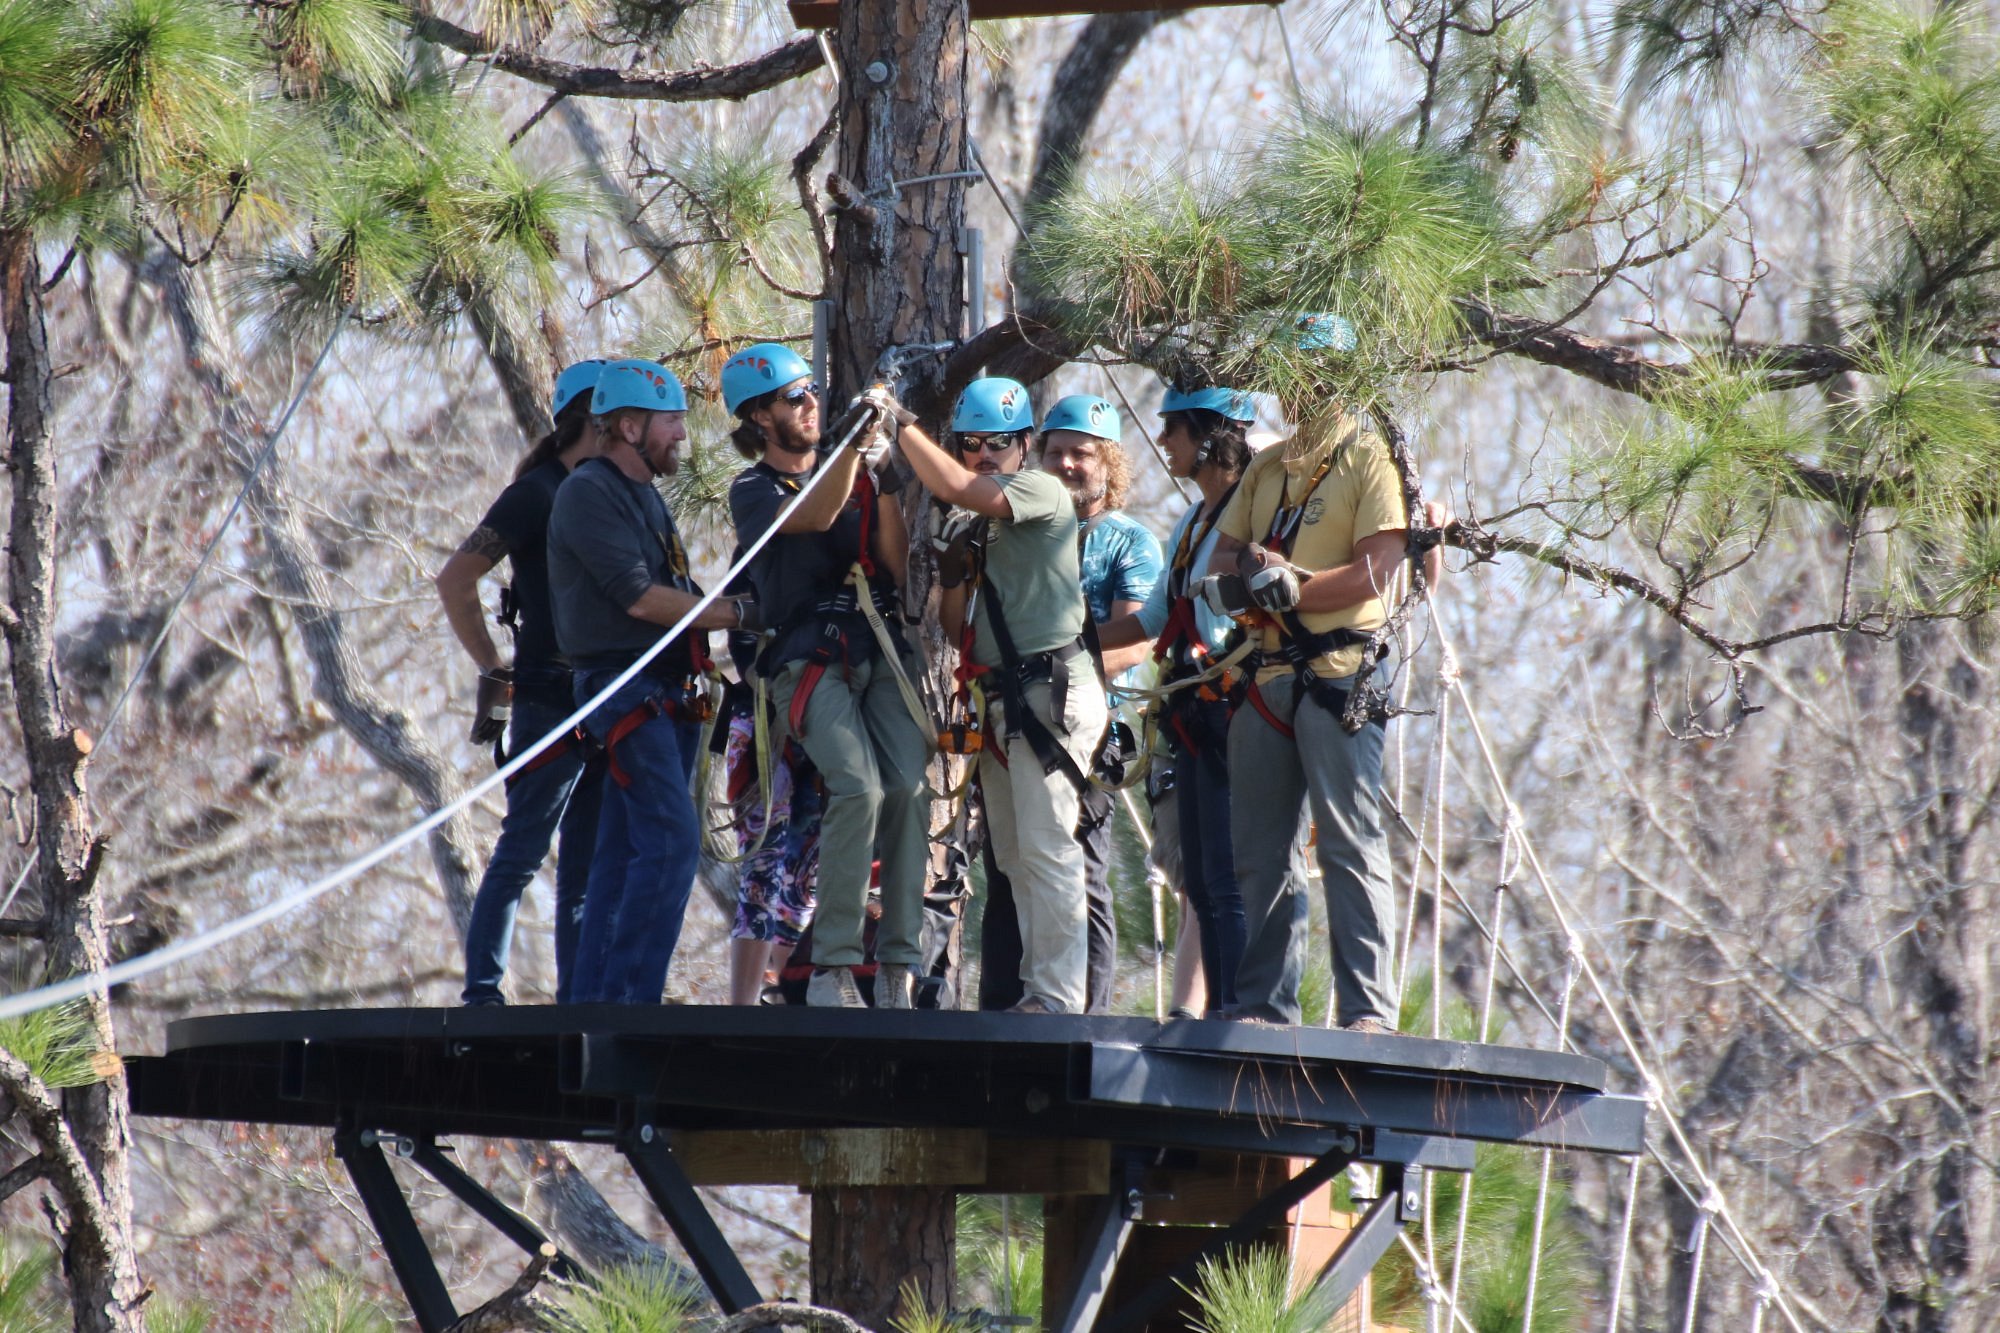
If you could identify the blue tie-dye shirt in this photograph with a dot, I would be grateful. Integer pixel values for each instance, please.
(1121, 563)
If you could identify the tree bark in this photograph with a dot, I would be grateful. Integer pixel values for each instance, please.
(867, 1243)
(897, 280)
(98, 1257)
(523, 365)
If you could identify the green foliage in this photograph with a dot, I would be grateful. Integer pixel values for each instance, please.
(639, 1298)
(1206, 281)
(36, 38)
(1000, 1267)
(165, 1315)
(162, 76)
(59, 1045)
(338, 1305)
(1913, 93)
(1250, 1291)
(358, 41)
(1693, 40)
(28, 1302)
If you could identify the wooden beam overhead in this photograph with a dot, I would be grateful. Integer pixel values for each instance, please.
(825, 13)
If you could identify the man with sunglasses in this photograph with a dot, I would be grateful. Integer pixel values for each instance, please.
(828, 584)
(1013, 593)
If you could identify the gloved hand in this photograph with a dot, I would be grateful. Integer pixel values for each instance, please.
(1224, 594)
(1274, 588)
(879, 397)
(492, 705)
(749, 616)
(958, 550)
(873, 447)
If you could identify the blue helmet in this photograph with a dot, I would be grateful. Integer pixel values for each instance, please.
(1326, 333)
(994, 406)
(580, 378)
(755, 371)
(1087, 414)
(633, 382)
(1232, 403)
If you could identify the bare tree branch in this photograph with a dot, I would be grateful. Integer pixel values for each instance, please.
(728, 82)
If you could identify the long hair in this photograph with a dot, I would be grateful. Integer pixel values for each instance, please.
(1227, 442)
(1117, 472)
(747, 435)
(570, 423)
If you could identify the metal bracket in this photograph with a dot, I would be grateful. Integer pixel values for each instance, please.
(1402, 1201)
(1110, 1228)
(1265, 1213)
(427, 1154)
(721, 1271)
(409, 1257)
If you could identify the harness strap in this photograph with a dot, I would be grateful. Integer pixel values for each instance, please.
(857, 578)
(624, 727)
(1264, 711)
(573, 737)
(808, 682)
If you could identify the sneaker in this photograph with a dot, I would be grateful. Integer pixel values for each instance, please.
(1182, 1013)
(1368, 1027)
(484, 1002)
(1034, 1004)
(834, 988)
(892, 986)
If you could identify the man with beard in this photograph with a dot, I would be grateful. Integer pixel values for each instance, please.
(1010, 585)
(1120, 562)
(618, 575)
(838, 667)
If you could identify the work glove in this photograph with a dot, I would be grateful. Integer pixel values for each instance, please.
(492, 705)
(882, 400)
(873, 447)
(1274, 588)
(958, 549)
(1224, 595)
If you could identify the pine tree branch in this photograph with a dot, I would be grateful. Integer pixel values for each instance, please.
(728, 82)
(785, 1314)
(1784, 365)
(61, 1161)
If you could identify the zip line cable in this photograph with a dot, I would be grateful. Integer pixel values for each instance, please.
(131, 969)
(194, 577)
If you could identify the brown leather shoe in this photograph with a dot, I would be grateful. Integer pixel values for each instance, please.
(1368, 1027)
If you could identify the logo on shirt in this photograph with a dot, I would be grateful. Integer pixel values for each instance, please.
(1315, 507)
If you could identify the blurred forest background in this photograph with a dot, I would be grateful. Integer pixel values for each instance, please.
(1687, 306)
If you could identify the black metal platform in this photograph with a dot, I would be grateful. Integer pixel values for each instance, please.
(637, 1076)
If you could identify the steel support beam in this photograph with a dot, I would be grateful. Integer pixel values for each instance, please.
(409, 1257)
(1344, 1271)
(1450, 1106)
(1267, 1212)
(481, 1200)
(721, 1271)
(1110, 1228)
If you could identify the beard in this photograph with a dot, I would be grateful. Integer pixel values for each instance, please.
(1085, 494)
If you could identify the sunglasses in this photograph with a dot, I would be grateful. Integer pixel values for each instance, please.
(992, 444)
(800, 394)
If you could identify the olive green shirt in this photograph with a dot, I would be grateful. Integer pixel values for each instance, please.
(1031, 559)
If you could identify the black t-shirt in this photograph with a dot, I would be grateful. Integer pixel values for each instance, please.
(796, 573)
(521, 517)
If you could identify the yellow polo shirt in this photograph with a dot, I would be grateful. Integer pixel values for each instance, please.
(1360, 496)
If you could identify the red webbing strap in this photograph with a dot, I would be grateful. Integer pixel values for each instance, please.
(548, 756)
(864, 491)
(1180, 628)
(624, 727)
(808, 682)
(1264, 711)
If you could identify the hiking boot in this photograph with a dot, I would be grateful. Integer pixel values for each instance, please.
(892, 986)
(834, 988)
(1368, 1027)
(1034, 1004)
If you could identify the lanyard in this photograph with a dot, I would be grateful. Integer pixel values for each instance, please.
(1285, 519)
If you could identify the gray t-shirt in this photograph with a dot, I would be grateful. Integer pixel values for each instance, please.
(1032, 560)
(610, 539)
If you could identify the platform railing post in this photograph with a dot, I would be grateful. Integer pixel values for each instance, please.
(707, 1248)
(409, 1257)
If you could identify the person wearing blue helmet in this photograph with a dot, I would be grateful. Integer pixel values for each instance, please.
(619, 575)
(1204, 435)
(828, 583)
(1011, 589)
(1120, 562)
(1317, 531)
(558, 792)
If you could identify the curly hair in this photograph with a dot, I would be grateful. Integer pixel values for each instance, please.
(1117, 470)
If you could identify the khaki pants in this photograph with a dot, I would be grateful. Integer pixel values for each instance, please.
(871, 758)
(1031, 818)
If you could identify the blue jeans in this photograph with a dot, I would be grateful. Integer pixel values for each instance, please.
(648, 843)
(1208, 863)
(540, 802)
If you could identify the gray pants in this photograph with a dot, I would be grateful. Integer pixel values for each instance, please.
(871, 759)
(1272, 777)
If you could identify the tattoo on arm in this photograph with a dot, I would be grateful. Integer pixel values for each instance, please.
(486, 544)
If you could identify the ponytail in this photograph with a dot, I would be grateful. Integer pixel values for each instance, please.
(569, 429)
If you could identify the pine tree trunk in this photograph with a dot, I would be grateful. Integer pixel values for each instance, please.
(897, 281)
(98, 1258)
